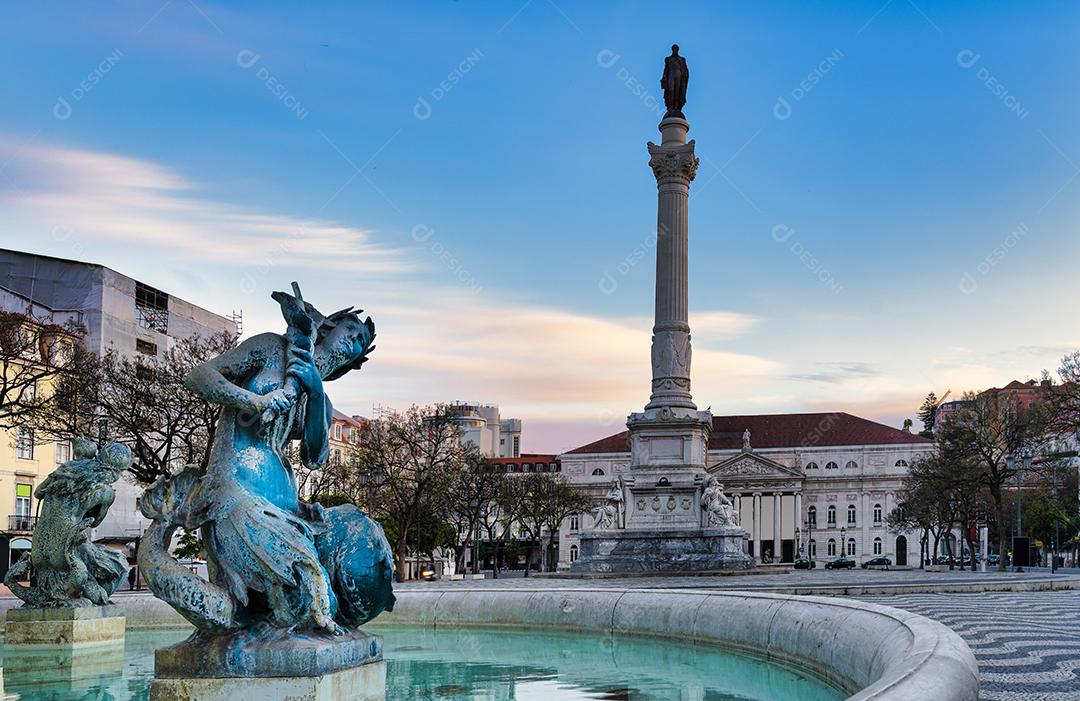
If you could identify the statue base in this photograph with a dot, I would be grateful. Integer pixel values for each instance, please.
(661, 550)
(255, 665)
(64, 627)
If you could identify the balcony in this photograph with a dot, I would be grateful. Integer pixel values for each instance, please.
(21, 524)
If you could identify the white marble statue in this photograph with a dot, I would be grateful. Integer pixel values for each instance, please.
(719, 511)
(609, 514)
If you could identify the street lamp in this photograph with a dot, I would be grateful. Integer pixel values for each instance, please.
(843, 541)
(1025, 464)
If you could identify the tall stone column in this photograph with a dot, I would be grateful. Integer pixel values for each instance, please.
(778, 501)
(674, 164)
(758, 539)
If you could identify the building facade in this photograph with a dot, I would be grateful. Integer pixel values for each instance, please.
(118, 313)
(821, 484)
(482, 426)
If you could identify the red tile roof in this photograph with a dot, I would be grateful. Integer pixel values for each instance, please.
(781, 431)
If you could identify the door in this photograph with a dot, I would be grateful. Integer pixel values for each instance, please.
(901, 551)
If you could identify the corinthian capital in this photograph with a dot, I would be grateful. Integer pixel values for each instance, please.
(673, 162)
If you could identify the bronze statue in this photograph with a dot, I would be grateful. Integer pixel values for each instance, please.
(676, 76)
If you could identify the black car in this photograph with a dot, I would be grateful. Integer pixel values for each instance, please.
(840, 563)
(805, 563)
(882, 562)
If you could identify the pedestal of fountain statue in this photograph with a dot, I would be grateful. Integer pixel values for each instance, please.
(64, 627)
(254, 665)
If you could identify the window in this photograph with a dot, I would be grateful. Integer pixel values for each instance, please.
(831, 465)
(151, 308)
(812, 548)
(852, 465)
(851, 515)
(29, 392)
(24, 443)
(877, 513)
(832, 547)
(337, 456)
(899, 513)
(146, 347)
(526, 466)
(877, 546)
(832, 516)
(598, 472)
(511, 467)
(354, 435)
(573, 553)
(811, 515)
(554, 467)
(22, 503)
(811, 466)
(901, 463)
(851, 547)
(337, 432)
(575, 522)
(517, 446)
(63, 452)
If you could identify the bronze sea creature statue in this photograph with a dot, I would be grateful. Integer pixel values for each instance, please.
(277, 566)
(69, 570)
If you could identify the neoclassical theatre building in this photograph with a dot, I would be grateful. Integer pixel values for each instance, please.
(825, 482)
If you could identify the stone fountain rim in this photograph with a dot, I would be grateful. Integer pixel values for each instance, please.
(915, 659)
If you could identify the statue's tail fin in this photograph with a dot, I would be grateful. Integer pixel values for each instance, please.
(172, 503)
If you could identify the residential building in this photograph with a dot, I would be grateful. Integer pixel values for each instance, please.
(825, 482)
(118, 313)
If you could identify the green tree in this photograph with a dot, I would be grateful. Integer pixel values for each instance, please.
(928, 415)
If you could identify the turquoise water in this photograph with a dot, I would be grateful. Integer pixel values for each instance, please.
(462, 665)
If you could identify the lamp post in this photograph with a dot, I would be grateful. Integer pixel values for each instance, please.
(843, 541)
(798, 540)
(1025, 464)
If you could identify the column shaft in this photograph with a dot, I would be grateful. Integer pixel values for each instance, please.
(778, 501)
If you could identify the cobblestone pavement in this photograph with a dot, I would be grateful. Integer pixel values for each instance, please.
(1027, 643)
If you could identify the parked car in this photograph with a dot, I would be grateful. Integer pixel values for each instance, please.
(882, 562)
(993, 559)
(840, 563)
(805, 563)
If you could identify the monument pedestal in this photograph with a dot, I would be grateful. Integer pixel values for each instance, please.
(663, 550)
(254, 666)
(64, 627)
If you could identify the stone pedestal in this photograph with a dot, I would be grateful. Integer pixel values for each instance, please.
(252, 666)
(64, 627)
(663, 550)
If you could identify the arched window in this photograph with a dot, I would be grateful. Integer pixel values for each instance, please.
(852, 465)
(877, 546)
(832, 547)
(573, 553)
(812, 548)
(851, 514)
(598, 472)
(831, 465)
(851, 547)
(575, 522)
(832, 516)
(901, 463)
(877, 513)
(811, 515)
(811, 466)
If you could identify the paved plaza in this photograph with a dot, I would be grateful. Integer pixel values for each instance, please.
(1026, 640)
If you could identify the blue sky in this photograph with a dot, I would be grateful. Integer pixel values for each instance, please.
(886, 202)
